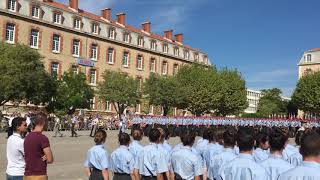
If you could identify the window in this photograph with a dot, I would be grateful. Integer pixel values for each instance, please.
(12, 4)
(308, 71)
(186, 54)
(126, 37)
(34, 38)
(164, 67)
(140, 41)
(152, 65)
(108, 106)
(93, 76)
(196, 56)
(140, 62)
(112, 33)
(175, 69)
(110, 55)
(153, 45)
(176, 51)
(76, 48)
(308, 58)
(77, 23)
(95, 28)
(35, 12)
(94, 52)
(56, 43)
(55, 70)
(165, 48)
(92, 103)
(125, 60)
(57, 18)
(74, 69)
(10, 32)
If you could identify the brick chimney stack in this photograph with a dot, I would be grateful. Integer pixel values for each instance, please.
(121, 18)
(168, 34)
(73, 4)
(106, 14)
(146, 26)
(179, 38)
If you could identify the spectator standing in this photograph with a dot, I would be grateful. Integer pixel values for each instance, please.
(37, 151)
(15, 151)
(56, 128)
(74, 121)
(97, 161)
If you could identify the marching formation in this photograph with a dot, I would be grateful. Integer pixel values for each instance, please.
(223, 153)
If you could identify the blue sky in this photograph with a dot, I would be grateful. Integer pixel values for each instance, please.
(263, 39)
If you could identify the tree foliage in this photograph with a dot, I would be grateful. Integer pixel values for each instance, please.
(307, 93)
(22, 76)
(162, 91)
(233, 93)
(200, 86)
(73, 92)
(271, 103)
(119, 89)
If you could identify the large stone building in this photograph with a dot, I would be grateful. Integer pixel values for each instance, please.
(309, 62)
(71, 38)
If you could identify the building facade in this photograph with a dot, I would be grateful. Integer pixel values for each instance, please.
(253, 97)
(71, 38)
(309, 62)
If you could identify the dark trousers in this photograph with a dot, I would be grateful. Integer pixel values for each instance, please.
(93, 130)
(120, 176)
(96, 174)
(73, 132)
(148, 177)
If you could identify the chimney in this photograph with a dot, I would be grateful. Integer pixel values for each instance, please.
(146, 26)
(121, 18)
(179, 38)
(73, 4)
(106, 13)
(168, 34)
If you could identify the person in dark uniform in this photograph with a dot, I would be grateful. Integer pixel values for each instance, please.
(122, 160)
(97, 161)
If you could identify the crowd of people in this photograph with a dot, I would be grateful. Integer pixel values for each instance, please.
(224, 152)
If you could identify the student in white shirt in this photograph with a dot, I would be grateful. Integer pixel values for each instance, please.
(15, 150)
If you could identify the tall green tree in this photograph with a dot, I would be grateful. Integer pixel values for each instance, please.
(162, 91)
(233, 94)
(73, 92)
(200, 87)
(307, 93)
(22, 75)
(271, 103)
(119, 89)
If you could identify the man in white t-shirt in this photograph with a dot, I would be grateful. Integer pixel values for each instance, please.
(15, 150)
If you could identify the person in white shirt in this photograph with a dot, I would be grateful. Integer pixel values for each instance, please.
(15, 150)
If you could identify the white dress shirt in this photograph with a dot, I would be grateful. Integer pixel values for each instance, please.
(15, 155)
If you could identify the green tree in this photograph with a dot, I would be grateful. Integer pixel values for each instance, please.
(162, 91)
(119, 89)
(22, 75)
(73, 92)
(307, 93)
(199, 88)
(271, 103)
(233, 94)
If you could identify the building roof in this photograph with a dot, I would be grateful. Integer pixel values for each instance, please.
(95, 17)
(313, 50)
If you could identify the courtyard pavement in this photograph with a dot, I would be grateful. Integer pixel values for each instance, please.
(69, 153)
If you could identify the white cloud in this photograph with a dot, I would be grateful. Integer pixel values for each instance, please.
(277, 75)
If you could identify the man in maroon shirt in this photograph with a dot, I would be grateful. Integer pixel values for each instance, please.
(37, 151)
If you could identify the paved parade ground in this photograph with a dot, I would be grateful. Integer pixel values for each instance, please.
(69, 154)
